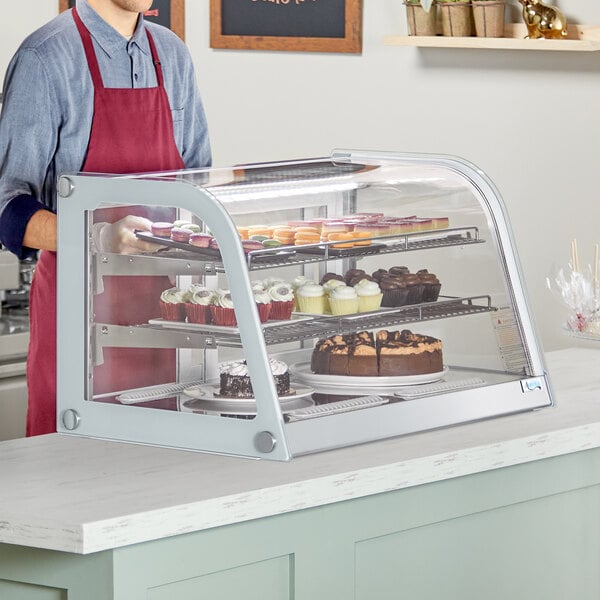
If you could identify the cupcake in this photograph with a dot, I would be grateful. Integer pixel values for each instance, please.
(329, 276)
(311, 298)
(269, 281)
(379, 274)
(197, 306)
(369, 295)
(343, 300)
(263, 304)
(358, 278)
(352, 273)
(415, 288)
(401, 270)
(431, 285)
(299, 281)
(395, 292)
(282, 301)
(330, 285)
(172, 304)
(221, 310)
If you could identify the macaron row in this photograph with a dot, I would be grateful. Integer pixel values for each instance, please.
(190, 233)
(354, 230)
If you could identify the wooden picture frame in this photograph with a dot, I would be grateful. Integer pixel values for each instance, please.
(175, 19)
(223, 34)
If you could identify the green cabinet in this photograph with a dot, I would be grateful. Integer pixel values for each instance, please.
(530, 531)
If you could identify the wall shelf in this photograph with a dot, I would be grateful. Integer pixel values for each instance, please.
(582, 38)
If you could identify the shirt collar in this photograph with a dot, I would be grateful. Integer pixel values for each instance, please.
(108, 38)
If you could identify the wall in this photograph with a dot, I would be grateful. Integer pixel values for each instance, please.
(528, 119)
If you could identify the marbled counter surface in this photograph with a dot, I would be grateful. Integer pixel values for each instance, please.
(83, 495)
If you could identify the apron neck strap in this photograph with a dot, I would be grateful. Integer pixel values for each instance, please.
(93, 61)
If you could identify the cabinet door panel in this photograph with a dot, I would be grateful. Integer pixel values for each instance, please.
(266, 580)
(547, 549)
(11, 590)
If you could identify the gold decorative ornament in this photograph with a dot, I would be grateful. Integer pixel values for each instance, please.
(543, 21)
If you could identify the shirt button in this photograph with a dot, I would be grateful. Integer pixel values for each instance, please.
(135, 76)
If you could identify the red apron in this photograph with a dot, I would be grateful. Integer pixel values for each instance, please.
(132, 132)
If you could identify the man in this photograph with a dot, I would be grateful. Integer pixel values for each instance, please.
(97, 89)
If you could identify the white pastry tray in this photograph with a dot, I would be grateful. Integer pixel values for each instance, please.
(220, 328)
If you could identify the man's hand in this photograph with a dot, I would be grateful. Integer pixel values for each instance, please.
(120, 238)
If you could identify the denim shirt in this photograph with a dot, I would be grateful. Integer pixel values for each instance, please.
(48, 106)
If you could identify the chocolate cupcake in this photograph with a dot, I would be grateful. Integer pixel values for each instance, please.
(352, 273)
(415, 288)
(431, 286)
(399, 270)
(395, 292)
(379, 274)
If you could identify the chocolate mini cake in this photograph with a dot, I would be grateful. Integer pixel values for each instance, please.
(391, 354)
(235, 379)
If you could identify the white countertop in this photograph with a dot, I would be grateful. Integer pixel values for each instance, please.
(83, 495)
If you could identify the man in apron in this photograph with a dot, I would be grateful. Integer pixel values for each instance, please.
(99, 90)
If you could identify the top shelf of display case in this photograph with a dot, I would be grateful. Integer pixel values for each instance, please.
(180, 258)
(581, 38)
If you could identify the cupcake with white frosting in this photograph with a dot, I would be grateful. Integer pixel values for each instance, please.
(263, 304)
(172, 304)
(343, 300)
(331, 284)
(311, 298)
(298, 282)
(282, 300)
(369, 295)
(197, 306)
(221, 309)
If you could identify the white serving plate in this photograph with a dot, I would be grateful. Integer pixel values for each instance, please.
(302, 372)
(205, 398)
(211, 392)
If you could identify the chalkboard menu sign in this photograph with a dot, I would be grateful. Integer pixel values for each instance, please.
(170, 13)
(300, 25)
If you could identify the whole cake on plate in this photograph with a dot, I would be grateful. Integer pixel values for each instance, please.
(235, 379)
(386, 354)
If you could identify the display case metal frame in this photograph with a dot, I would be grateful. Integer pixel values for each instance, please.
(267, 435)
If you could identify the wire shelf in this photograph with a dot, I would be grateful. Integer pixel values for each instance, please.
(320, 326)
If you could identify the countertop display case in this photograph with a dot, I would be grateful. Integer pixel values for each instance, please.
(287, 308)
